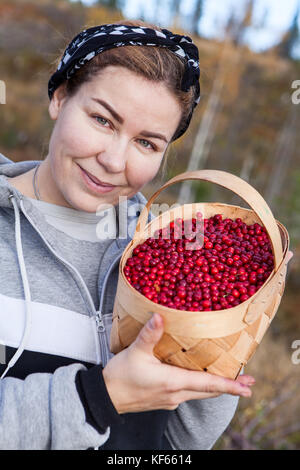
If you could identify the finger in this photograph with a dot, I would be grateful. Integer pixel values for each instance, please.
(246, 380)
(210, 383)
(180, 397)
(150, 334)
(189, 395)
(198, 396)
(185, 395)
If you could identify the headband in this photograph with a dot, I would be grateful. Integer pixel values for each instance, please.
(90, 42)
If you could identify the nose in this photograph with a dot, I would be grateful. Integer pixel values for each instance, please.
(114, 155)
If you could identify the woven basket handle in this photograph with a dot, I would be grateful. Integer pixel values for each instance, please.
(235, 184)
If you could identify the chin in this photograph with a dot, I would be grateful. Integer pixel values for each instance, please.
(72, 203)
(78, 204)
(83, 207)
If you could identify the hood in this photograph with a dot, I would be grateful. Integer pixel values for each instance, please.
(11, 169)
(10, 198)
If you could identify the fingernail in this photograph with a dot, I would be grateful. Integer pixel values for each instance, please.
(249, 382)
(245, 391)
(249, 378)
(152, 322)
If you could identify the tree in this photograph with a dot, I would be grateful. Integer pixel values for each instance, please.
(284, 148)
(175, 9)
(236, 28)
(290, 38)
(205, 133)
(231, 59)
(197, 14)
(111, 4)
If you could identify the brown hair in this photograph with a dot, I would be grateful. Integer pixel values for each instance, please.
(154, 63)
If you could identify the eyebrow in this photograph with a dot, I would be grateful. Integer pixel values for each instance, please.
(118, 118)
(110, 109)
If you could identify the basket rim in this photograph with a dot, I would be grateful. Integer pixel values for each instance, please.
(198, 314)
(284, 242)
(285, 231)
(236, 185)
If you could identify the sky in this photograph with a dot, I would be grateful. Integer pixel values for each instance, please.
(271, 17)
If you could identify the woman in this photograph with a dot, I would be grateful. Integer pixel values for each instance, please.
(120, 95)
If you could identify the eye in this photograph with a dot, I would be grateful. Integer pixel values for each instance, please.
(101, 121)
(147, 145)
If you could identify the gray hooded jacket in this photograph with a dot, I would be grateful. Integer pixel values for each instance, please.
(46, 313)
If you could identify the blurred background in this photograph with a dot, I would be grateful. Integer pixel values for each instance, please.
(247, 123)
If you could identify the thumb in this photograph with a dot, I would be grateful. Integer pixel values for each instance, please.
(150, 334)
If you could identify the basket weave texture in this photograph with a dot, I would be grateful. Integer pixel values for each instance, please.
(219, 342)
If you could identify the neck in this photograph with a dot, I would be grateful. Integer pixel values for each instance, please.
(44, 183)
(23, 183)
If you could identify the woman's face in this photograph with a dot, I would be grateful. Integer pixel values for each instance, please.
(117, 128)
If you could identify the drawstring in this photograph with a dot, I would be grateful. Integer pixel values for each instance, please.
(25, 286)
(27, 291)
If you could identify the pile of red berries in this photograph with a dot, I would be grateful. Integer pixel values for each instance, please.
(231, 264)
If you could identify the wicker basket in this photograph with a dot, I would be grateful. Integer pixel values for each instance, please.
(220, 342)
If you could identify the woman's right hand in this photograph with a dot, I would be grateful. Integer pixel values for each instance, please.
(137, 381)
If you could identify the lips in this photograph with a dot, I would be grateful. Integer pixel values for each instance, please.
(96, 181)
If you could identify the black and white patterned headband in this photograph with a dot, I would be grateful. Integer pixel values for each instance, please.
(90, 42)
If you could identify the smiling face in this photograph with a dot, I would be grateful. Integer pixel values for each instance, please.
(116, 128)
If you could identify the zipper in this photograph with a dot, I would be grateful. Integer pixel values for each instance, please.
(100, 338)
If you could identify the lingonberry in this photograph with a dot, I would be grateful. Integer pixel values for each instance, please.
(233, 262)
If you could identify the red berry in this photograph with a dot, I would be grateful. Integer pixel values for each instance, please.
(208, 245)
(228, 269)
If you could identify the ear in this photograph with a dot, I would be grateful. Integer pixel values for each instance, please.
(57, 101)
